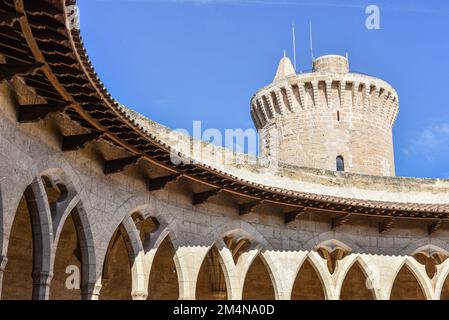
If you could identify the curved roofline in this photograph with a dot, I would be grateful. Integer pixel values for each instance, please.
(77, 83)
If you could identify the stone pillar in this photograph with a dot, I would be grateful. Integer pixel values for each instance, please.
(3, 262)
(284, 267)
(41, 285)
(188, 262)
(139, 295)
(91, 291)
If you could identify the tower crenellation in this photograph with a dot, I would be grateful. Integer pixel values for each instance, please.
(327, 114)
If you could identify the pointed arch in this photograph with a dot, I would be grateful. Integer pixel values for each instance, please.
(211, 282)
(444, 295)
(409, 283)
(30, 247)
(74, 254)
(308, 284)
(259, 284)
(442, 281)
(442, 287)
(116, 280)
(19, 269)
(357, 284)
(163, 278)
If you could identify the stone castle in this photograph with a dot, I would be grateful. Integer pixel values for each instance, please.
(327, 116)
(93, 207)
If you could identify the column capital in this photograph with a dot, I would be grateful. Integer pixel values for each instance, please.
(41, 285)
(91, 291)
(139, 295)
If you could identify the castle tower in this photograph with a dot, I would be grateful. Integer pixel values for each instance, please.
(329, 118)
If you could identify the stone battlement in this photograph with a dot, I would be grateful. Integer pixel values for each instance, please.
(327, 113)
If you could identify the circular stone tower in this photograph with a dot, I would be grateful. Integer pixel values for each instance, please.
(329, 118)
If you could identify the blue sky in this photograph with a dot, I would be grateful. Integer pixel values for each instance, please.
(177, 61)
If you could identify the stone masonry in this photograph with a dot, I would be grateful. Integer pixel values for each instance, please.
(90, 207)
(310, 119)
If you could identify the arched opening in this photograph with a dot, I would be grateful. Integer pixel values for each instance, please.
(356, 286)
(340, 163)
(406, 286)
(17, 278)
(258, 284)
(66, 281)
(307, 285)
(445, 290)
(164, 283)
(116, 280)
(211, 283)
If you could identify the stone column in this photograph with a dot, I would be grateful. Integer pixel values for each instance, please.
(139, 295)
(91, 291)
(188, 261)
(41, 285)
(3, 262)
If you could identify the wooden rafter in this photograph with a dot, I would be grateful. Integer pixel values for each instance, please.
(9, 70)
(118, 165)
(433, 227)
(292, 215)
(8, 19)
(339, 221)
(249, 207)
(159, 183)
(76, 142)
(202, 197)
(386, 226)
(34, 112)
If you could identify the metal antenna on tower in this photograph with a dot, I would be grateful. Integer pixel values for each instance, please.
(294, 45)
(311, 41)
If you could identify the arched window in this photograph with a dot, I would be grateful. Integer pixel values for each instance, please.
(340, 163)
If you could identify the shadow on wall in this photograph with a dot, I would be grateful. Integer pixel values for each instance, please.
(145, 260)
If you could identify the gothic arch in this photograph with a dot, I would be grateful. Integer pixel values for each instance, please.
(321, 269)
(163, 281)
(84, 251)
(35, 207)
(355, 282)
(212, 283)
(424, 243)
(442, 281)
(415, 283)
(126, 247)
(260, 283)
(69, 206)
(314, 288)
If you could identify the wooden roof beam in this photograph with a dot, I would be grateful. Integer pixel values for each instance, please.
(8, 19)
(292, 215)
(35, 112)
(433, 227)
(339, 221)
(249, 207)
(386, 226)
(76, 142)
(118, 165)
(159, 183)
(203, 197)
(9, 70)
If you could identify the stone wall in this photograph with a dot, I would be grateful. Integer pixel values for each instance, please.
(328, 113)
(95, 206)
